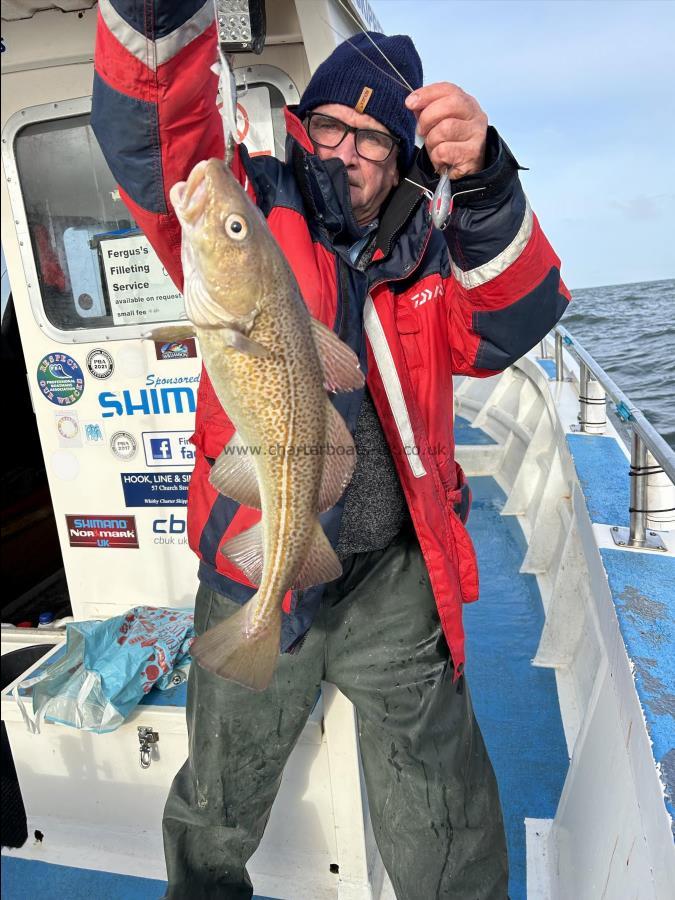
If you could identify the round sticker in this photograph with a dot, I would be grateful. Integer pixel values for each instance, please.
(60, 379)
(243, 124)
(100, 363)
(123, 445)
(67, 427)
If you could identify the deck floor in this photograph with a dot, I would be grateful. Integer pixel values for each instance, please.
(516, 705)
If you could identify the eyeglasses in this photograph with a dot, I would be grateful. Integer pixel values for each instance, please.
(325, 131)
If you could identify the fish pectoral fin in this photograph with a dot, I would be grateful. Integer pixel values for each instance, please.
(339, 462)
(320, 564)
(170, 333)
(246, 552)
(238, 652)
(238, 341)
(340, 364)
(234, 475)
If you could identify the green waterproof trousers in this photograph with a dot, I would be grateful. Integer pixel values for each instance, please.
(432, 793)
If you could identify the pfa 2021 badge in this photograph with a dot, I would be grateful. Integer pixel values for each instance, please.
(100, 363)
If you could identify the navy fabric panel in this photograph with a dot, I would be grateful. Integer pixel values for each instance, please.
(436, 261)
(128, 133)
(156, 20)
(273, 182)
(476, 236)
(510, 332)
(221, 584)
(222, 513)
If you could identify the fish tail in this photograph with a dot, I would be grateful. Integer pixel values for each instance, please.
(237, 652)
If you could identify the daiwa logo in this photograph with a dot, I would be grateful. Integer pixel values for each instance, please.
(427, 294)
(160, 396)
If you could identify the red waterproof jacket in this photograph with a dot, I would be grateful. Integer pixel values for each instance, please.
(419, 306)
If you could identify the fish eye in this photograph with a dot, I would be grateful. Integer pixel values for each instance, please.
(236, 227)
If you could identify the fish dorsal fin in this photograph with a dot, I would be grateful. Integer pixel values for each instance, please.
(321, 564)
(339, 462)
(234, 474)
(340, 364)
(246, 552)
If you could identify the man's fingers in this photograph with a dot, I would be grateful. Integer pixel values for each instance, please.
(457, 99)
(452, 106)
(460, 158)
(449, 130)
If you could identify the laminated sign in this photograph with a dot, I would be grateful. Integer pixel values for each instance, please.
(254, 121)
(139, 287)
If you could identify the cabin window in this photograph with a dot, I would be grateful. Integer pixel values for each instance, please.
(95, 271)
(94, 267)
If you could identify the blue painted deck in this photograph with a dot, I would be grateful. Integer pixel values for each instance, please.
(516, 704)
(24, 879)
(643, 590)
(466, 434)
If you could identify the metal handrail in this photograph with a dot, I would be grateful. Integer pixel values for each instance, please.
(645, 438)
(626, 409)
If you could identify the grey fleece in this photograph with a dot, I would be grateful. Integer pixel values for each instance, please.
(375, 507)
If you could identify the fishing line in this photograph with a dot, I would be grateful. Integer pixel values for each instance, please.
(379, 49)
(348, 40)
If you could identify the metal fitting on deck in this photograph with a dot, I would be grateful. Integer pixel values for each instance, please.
(592, 403)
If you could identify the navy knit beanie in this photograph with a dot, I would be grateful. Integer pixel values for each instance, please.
(356, 66)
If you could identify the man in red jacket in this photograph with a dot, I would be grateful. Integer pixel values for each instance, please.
(350, 210)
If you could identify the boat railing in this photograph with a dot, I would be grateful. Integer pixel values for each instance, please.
(652, 464)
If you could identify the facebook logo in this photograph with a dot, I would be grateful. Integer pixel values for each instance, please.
(168, 448)
(160, 448)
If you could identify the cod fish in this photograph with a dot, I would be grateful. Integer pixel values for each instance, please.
(270, 364)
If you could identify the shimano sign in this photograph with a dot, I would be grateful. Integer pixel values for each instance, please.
(148, 401)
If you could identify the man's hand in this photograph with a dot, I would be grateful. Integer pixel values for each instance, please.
(453, 127)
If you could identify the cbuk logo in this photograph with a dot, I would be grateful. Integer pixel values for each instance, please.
(172, 525)
(169, 531)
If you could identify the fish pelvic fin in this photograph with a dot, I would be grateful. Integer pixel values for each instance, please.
(340, 364)
(320, 564)
(239, 341)
(237, 652)
(233, 473)
(246, 552)
(339, 462)
(170, 333)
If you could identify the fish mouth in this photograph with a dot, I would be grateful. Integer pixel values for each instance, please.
(189, 197)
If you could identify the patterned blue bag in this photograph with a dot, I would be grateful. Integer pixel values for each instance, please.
(107, 668)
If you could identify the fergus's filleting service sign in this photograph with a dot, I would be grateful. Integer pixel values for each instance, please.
(139, 286)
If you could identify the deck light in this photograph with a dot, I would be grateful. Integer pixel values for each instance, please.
(241, 25)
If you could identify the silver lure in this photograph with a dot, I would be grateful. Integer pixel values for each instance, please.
(441, 202)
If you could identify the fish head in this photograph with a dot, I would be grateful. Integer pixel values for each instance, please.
(225, 247)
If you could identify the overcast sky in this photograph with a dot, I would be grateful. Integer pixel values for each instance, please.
(583, 91)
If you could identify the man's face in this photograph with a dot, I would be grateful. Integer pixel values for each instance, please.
(369, 182)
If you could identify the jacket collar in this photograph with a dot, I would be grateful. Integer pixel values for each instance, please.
(404, 220)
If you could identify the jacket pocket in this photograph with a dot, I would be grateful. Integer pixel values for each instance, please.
(466, 558)
(408, 328)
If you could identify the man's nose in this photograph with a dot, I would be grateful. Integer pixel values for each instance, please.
(346, 149)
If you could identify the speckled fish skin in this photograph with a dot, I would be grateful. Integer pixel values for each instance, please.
(257, 343)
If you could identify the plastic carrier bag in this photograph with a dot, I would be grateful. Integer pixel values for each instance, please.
(107, 668)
